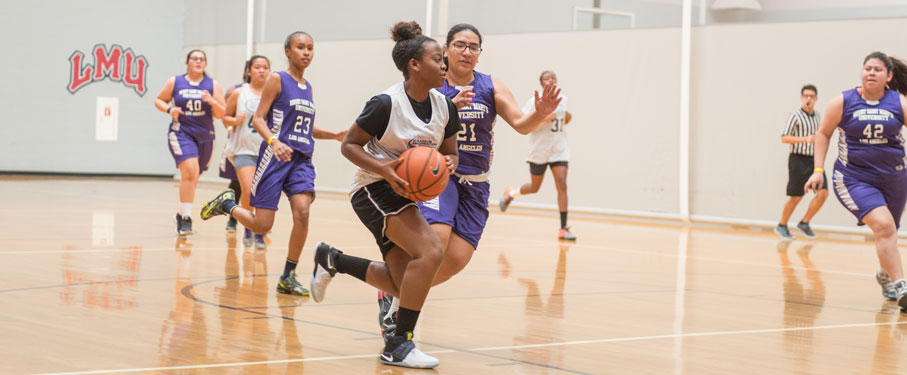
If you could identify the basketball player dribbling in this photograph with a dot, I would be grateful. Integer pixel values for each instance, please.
(285, 161)
(459, 214)
(193, 100)
(408, 114)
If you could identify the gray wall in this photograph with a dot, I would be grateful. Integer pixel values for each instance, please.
(49, 129)
(624, 100)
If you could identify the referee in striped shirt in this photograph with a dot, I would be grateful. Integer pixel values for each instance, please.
(801, 127)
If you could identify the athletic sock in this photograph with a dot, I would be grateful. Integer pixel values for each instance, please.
(289, 266)
(228, 206)
(351, 265)
(406, 320)
(564, 219)
(185, 209)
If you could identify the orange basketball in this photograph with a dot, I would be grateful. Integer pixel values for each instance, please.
(426, 171)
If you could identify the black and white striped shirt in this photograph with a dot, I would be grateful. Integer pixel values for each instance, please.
(802, 124)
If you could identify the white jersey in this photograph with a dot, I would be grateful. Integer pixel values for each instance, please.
(404, 130)
(548, 143)
(244, 140)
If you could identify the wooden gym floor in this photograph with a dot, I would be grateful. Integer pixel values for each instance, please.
(93, 280)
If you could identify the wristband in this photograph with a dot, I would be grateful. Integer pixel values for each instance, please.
(169, 108)
(273, 137)
(818, 170)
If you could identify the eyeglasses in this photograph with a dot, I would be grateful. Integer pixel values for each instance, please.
(460, 46)
(196, 58)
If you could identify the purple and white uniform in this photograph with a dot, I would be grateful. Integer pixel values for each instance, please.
(464, 203)
(869, 172)
(192, 135)
(291, 117)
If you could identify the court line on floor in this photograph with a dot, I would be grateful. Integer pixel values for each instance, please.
(493, 348)
(187, 291)
(159, 249)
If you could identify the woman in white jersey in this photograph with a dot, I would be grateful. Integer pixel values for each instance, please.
(245, 142)
(547, 147)
(411, 113)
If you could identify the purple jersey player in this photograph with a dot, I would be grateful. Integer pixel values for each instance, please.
(196, 101)
(458, 215)
(869, 177)
(286, 119)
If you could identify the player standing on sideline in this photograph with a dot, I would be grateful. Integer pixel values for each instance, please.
(245, 142)
(285, 161)
(548, 147)
(196, 102)
(459, 214)
(799, 133)
(227, 170)
(869, 177)
(408, 114)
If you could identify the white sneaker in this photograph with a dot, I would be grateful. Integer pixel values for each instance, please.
(407, 355)
(324, 270)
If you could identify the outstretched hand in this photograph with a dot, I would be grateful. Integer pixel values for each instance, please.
(548, 101)
(463, 98)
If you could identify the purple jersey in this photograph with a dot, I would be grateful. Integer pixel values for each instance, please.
(475, 138)
(871, 140)
(197, 119)
(292, 115)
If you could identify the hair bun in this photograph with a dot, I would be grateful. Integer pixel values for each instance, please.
(405, 30)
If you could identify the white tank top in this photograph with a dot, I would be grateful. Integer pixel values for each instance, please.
(244, 140)
(549, 136)
(405, 130)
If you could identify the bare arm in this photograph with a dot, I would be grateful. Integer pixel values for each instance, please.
(790, 139)
(216, 100)
(268, 94)
(230, 116)
(567, 118)
(162, 102)
(319, 133)
(823, 135)
(449, 150)
(510, 111)
(352, 148)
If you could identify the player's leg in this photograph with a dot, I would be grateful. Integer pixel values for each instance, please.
(536, 176)
(813, 208)
(559, 171)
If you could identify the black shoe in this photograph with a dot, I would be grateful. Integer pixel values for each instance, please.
(289, 285)
(231, 225)
(804, 227)
(783, 232)
(215, 206)
(325, 269)
(183, 225)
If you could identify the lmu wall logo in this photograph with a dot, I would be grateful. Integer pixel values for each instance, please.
(117, 65)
